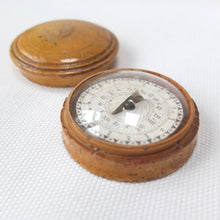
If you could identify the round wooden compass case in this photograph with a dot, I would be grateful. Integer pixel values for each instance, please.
(130, 125)
(62, 53)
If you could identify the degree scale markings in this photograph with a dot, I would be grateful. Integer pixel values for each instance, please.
(153, 119)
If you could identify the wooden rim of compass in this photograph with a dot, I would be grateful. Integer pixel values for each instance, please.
(82, 137)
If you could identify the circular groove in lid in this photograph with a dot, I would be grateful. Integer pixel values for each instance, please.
(68, 70)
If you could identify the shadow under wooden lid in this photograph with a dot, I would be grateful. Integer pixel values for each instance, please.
(63, 52)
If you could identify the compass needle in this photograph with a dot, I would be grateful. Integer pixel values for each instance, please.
(129, 103)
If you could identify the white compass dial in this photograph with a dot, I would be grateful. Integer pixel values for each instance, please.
(128, 111)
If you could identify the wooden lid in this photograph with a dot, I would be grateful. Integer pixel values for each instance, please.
(63, 52)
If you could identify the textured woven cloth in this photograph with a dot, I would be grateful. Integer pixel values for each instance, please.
(38, 178)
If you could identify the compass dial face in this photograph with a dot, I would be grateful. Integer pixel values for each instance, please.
(128, 109)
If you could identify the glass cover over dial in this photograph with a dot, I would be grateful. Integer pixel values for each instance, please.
(129, 107)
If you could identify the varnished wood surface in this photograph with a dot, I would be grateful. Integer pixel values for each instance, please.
(141, 163)
(63, 52)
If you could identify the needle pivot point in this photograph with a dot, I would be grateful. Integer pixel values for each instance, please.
(129, 105)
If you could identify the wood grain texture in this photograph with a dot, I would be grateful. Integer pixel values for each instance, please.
(98, 157)
(63, 52)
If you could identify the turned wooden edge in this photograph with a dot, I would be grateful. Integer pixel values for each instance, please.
(63, 80)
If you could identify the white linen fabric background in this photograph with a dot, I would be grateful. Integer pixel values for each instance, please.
(39, 180)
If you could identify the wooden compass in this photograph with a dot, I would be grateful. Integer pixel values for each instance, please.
(130, 125)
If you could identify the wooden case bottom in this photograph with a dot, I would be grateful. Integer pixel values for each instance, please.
(132, 168)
